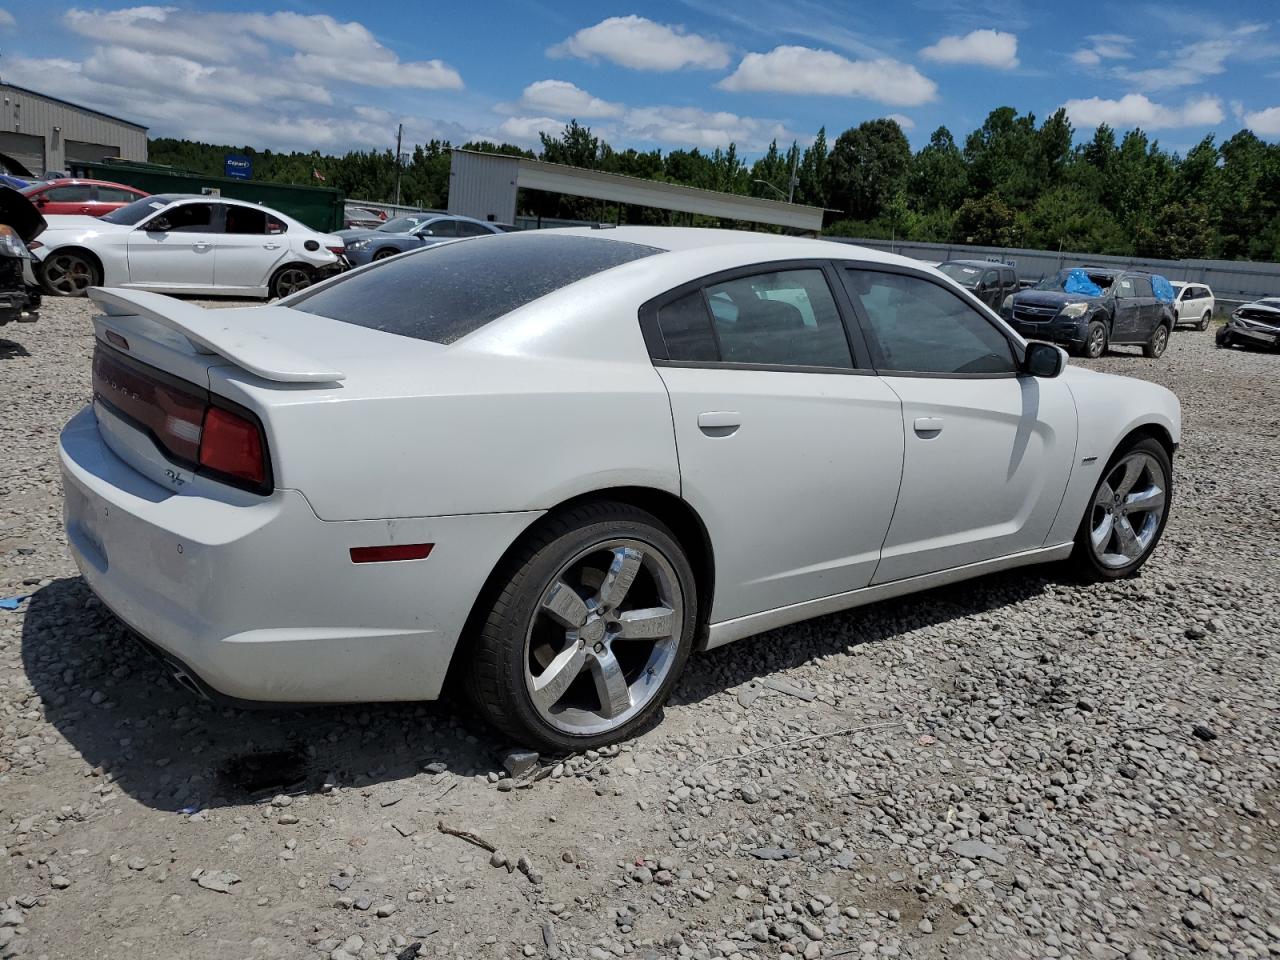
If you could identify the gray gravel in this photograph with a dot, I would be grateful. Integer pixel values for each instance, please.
(1016, 767)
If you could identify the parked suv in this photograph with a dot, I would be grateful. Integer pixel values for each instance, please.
(1088, 309)
(988, 281)
(1193, 303)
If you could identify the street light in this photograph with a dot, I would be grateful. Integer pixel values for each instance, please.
(772, 187)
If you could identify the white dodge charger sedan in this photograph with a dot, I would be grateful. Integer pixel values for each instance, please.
(558, 462)
(179, 243)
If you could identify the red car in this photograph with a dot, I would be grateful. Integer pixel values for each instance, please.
(81, 197)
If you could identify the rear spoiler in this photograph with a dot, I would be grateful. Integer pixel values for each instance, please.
(232, 334)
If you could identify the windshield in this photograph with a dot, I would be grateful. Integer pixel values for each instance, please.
(962, 273)
(132, 213)
(401, 224)
(1058, 281)
(446, 291)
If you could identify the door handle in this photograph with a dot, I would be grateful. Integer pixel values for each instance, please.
(719, 423)
(201, 245)
(271, 246)
(928, 427)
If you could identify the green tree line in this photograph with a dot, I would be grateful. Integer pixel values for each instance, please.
(1012, 182)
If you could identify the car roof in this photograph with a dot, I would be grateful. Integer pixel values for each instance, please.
(81, 181)
(979, 263)
(678, 239)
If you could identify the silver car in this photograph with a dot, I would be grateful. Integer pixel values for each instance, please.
(409, 233)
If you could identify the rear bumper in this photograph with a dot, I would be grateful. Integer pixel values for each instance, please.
(261, 602)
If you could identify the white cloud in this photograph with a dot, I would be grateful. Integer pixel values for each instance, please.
(1104, 46)
(566, 100)
(1190, 64)
(1087, 58)
(1265, 123)
(322, 46)
(692, 127)
(804, 70)
(526, 129)
(902, 120)
(641, 44)
(986, 48)
(7, 22)
(1136, 110)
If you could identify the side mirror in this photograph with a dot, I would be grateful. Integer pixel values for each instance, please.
(1043, 360)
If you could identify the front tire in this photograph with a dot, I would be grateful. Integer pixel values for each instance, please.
(1127, 512)
(585, 630)
(1095, 340)
(385, 253)
(69, 273)
(289, 279)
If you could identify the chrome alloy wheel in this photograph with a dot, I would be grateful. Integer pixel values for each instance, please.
(1097, 342)
(68, 274)
(292, 279)
(604, 637)
(1127, 510)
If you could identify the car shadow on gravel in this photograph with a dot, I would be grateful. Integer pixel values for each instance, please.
(170, 750)
(11, 348)
(755, 658)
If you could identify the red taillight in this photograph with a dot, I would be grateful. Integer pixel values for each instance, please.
(394, 551)
(338, 251)
(231, 444)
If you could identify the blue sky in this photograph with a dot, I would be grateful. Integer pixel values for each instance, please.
(681, 73)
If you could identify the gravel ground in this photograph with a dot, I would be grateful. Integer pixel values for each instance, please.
(1014, 767)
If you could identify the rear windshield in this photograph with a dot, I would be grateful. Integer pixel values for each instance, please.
(447, 291)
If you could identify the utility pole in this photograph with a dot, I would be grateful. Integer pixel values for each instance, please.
(399, 134)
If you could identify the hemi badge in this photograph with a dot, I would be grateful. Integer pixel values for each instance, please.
(1089, 460)
(117, 340)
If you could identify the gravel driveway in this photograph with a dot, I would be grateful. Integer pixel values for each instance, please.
(1014, 767)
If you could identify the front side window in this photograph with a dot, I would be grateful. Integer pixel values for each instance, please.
(185, 218)
(990, 279)
(786, 318)
(915, 326)
(439, 228)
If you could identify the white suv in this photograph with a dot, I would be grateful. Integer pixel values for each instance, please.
(1192, 303)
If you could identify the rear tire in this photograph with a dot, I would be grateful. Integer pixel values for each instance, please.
(69, 273)
(1126, 515)
(1204, 321)
(289, 279)
(1155, 347)
(551, 663)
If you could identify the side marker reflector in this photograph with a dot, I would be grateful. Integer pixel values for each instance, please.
(394, 551)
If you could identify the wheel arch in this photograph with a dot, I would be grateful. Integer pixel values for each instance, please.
(94, 258)
(676, 513)
(1156, 431)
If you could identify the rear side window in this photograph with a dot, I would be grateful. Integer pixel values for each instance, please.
(788, 318)
(686, 329)
(1142, 287)
(444, 292)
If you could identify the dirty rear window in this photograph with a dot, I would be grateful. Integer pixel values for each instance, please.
(447, 291)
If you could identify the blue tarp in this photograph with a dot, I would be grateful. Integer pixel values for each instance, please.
(1078, 282)
(1162, 287)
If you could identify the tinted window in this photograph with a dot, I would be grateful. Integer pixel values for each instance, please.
(787, 318)
(74, 193)
(918, 327)
(472, 229)
(446, 291)
(686, 329)
(116, 195)
(440, 228)
(1142, 287)
(245, 220)
(187, 218)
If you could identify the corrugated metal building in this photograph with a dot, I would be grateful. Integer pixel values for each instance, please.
(43, 133)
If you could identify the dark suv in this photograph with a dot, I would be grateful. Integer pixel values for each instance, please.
(990, 282)
(1086, 309)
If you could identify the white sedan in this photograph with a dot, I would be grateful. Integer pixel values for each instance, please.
(175, 243)
(561, 461)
